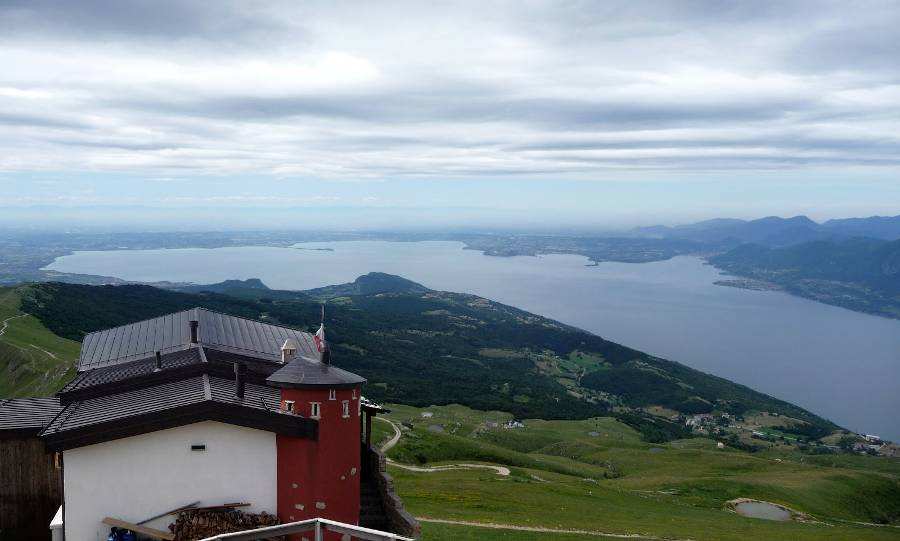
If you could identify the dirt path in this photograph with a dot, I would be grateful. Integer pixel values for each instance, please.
(393, 441)
(539, 529)
(52, 355)
(6, 323)
(501, 470)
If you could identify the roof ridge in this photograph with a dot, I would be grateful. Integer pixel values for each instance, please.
(196, 310)
(135, 322)
(250, 319)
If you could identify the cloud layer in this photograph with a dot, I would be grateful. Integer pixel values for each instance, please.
(356, 91)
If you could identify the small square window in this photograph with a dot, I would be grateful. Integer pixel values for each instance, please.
(315, 410)
(332, 394)
(288, 406)
(345, 408)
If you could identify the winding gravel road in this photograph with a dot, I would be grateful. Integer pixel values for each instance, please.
(501, 470)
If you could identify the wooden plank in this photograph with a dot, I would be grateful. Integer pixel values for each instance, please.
(172, 512)
(223, 506)
(137, 528)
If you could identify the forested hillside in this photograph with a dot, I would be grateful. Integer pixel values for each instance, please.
(422, 347)
(861, 274)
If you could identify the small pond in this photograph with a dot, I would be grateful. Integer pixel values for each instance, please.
(765, 510)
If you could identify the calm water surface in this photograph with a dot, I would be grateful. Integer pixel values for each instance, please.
(838, 363)
(763, 510)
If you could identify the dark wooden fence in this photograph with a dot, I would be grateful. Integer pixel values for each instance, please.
(29, 489)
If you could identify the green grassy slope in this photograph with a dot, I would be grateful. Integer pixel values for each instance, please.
(33, 360)
(673, 490)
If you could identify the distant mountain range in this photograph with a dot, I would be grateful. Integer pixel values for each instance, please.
(815, 263)
(774, 231)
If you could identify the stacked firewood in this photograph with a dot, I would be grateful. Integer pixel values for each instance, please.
(194, 524)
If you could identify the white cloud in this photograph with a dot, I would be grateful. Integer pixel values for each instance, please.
(354, 92)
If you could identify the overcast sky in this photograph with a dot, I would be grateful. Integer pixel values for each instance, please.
(589, 112)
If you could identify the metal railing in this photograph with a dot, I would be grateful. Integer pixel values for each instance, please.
(317, 525)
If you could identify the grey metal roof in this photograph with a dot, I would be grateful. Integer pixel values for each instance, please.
(302, 372)
(27, 414)
(172, 331)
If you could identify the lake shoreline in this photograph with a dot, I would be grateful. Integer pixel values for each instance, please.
(671, 309)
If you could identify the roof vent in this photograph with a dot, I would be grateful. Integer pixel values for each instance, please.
(158, 366)
(239, 376)
(288, 349)
(194, 324)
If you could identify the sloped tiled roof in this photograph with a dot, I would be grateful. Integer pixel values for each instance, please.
(116, 407)
(27, 415)
(302, 372)
(171, 404)
(172, 331)
(133, 369)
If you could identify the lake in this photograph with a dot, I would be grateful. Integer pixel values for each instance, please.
(840, 364)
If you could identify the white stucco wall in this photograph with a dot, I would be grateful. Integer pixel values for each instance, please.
(138, 477)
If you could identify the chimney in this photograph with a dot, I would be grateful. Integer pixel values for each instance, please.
(239, 376)
(326, 355)
(288, 350)
(194, 324)
(158, 366)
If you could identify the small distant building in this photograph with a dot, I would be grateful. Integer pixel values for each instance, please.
(427, 415)
(698, 420)
(860, 447)
(514, 424)
(871, 438)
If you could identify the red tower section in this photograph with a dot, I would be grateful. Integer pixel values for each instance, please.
(319, 477)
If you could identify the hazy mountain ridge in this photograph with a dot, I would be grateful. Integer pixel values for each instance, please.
(861, 273)
(775, 231)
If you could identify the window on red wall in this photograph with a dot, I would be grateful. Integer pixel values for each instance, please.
(315, 410)
(345, 408)
(332, 394)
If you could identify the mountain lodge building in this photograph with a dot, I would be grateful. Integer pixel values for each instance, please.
(203, 408)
